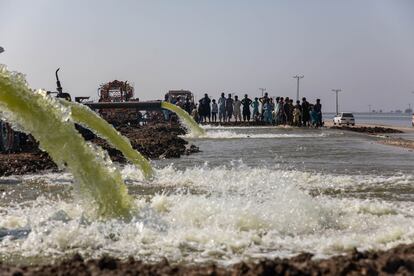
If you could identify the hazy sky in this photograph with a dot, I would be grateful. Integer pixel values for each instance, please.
(364, 47)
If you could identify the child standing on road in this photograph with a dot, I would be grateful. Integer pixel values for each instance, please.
(214, 111)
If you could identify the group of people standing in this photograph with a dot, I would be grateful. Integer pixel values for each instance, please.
(285, 112)
(278, 111)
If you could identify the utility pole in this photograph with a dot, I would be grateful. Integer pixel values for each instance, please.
(263, 90)
(336, 91)
(298, 77)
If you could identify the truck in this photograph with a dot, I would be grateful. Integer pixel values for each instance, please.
(179, 96)
(118, 92)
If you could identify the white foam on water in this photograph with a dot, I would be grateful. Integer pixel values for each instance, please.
(222, 214)
(213, 127)
(51, 178)
(227, 134)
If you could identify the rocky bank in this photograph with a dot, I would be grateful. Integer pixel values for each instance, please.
(396, 261)
(153, 141)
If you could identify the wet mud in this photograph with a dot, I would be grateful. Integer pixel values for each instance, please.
(398, 142)
(153, 141)
(396, 261)
(368, 130)
(382, 133)
(25, 162)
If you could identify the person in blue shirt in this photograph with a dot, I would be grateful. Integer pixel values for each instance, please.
(267, 111)
(255, 105)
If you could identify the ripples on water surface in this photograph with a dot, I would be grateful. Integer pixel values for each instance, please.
(250, 193)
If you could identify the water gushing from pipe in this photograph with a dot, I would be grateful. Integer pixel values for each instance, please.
(185, 118)
(88, 118)
(50, 124)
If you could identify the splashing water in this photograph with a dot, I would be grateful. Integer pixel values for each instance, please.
(220, 214)
(83, 115)
(192, 126)
(49, 123)
(224, 134)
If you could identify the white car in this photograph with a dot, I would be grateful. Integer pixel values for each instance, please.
(344, 119)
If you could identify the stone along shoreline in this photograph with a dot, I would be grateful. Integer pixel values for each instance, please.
(153, 141)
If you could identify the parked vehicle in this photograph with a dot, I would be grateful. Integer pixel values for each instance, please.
(344, 119)
(179, 96)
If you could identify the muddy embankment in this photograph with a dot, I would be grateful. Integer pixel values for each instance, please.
(369, 129)
(153, 141)
(396, 261)
(381, 132)
(398, 142)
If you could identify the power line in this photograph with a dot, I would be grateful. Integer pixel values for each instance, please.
(337, 106)
(298, 77)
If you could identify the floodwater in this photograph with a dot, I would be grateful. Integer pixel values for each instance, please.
(251, 193)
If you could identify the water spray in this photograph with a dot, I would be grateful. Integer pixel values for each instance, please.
(50, 124)
(185, 118)
(89, 119)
